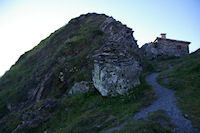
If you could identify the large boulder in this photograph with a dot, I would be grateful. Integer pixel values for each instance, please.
(117, 64)
(111, 80)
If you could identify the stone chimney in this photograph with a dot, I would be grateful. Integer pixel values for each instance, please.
(163, 35)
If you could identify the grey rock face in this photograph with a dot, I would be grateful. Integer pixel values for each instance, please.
(116, 65)
(36, 93)
(80, 87)
(111, 80)
(149, 51)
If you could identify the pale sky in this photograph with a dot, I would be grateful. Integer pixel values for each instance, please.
(24, 23)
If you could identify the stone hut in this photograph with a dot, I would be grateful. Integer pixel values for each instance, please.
(172, 47)
(164, 47)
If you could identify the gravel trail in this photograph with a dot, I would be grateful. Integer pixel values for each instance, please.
(165, 100)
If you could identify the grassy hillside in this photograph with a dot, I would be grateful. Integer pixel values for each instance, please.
(88, 112)
(184, 78)
(67, 50)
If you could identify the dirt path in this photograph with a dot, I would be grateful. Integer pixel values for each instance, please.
(165, 100)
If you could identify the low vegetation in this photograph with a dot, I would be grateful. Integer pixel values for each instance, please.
(142, 126)
(184, 79)
(158, 122)
(92, 112)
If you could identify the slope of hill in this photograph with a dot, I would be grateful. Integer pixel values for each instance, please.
(34, 92)
(184, 79)
(67, 50)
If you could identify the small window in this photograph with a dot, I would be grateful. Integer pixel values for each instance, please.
(178, 46)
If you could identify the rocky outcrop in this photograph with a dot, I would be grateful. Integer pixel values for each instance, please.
(155, 51)
(36, 93)
(36, 115)
(80, 87)
(116, 65)
(149, 51)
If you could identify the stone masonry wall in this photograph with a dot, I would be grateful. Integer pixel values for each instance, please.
(164, 48)
(172, 48)
(116, 64)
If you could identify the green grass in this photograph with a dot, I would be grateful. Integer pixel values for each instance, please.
(159, 114)
(142, 126)
(184, 79)
(158, 122)
(92, 112)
